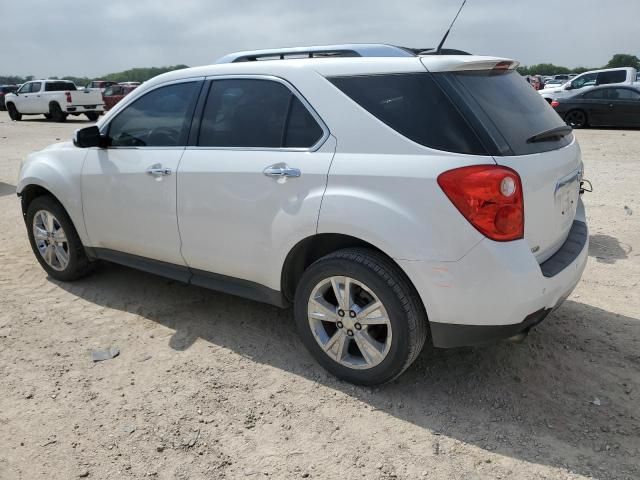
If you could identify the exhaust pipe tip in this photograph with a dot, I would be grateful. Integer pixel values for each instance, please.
(519, 338)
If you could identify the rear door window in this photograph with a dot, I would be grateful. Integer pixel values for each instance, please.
(59, 86)
(615, 76)
(623, 94)
(507, 106)
(256, 113)
(415, 106)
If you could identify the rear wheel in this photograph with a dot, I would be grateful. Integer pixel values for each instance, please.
(54, 240)
(13, 112)
(56, 113)
(92, 116)
(359, 316)
(576, 118)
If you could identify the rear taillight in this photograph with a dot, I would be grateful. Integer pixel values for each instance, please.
(68, 94)
(555, 103)
(489, 197)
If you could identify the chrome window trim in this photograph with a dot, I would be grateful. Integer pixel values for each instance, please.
(325, 130)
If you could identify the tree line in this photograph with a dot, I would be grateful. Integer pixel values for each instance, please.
(618, 60)
(144, 74)
(132, 75)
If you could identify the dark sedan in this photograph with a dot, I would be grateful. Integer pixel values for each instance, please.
(4, 89)
(610, 106)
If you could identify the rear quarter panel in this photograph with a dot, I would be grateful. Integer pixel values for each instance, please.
(395, 203)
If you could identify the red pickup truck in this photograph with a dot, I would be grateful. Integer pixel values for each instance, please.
(114, 93)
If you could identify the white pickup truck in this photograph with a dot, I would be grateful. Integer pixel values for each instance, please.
(55, 99)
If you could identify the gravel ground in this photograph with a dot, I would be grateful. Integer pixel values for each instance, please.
(209, 386)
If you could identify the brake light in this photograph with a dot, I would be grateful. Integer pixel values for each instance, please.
(555, 103)
(504, 65)
(489, 197)
(68, 94)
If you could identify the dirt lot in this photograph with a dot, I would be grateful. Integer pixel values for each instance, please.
(212, 386)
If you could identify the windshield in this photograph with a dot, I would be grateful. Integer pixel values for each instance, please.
(509, 109)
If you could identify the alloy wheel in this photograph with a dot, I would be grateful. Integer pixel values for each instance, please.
(51, 240)
(349, 322)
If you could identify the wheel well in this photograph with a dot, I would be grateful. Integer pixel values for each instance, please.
(30, 192)
(52, 103)
(311, 249)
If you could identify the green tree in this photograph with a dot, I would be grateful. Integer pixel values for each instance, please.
(624, 60)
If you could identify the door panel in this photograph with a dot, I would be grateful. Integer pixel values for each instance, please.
(129, 189)
(129, 210)
(236, 221)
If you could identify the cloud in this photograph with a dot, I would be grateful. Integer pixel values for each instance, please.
(84, 38)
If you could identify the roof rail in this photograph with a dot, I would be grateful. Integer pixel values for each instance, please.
(323, 51)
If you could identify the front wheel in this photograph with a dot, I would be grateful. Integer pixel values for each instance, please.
(359, 316)
(54, 240)
(13, 113)
(576, 118)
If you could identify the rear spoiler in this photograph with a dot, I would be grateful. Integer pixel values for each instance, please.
(460, 63)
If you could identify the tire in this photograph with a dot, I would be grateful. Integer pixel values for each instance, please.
(92, 116)
(47, 116)
(576, 118)
(77, 263)
(56, 113)
(13, 112)
(374, 277)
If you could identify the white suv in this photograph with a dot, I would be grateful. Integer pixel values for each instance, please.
(391, 197)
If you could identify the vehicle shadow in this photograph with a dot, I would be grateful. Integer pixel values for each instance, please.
(7, 189)
(568, 397)
(607, 249)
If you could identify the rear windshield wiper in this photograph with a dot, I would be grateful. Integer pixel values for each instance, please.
(552, 134)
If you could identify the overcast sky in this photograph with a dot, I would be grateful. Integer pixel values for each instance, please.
(85, 37)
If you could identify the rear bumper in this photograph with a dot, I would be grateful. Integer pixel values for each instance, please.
(449, 335)
(84, 108)
(497, 290)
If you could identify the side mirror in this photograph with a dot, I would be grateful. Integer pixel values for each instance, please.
(569, 86)
(89, 137)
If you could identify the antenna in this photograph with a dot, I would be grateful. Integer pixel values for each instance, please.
(439, 49)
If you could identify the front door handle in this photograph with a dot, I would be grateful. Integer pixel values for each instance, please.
(281, 170)
(158, 171)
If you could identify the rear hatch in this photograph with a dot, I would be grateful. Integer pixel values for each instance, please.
(524, 133)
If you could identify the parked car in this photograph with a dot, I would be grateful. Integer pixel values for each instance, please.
(608, 106)
(130, 84)
(391, 197)
(554, 83)
(55, 99)
(613, 76)
(4, 89)
(99, 85)
(115, 93)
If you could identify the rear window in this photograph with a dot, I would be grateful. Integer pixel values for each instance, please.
(506, 106)
(58, 86)
(415, 106)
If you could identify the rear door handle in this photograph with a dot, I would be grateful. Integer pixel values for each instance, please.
(158, 171)
(281, 171)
